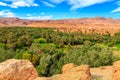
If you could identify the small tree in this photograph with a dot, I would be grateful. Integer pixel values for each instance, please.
(40, 40)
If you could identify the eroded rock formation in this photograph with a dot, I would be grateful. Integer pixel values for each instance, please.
(17, 70)
(71, 72)
(24, 70)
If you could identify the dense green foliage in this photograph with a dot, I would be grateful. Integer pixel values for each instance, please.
(49, 49)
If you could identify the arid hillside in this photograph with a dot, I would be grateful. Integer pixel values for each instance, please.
(87, 25)
(13, 22)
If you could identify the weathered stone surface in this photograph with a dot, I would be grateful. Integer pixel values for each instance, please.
(75, 76)
(24, 70)
(42, 78)
(17, 70)
(67, 67)
(116, 71)
(71, 72)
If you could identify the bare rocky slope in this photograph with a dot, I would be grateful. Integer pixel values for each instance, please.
(23, 70)
(87, 25)
(13, 22)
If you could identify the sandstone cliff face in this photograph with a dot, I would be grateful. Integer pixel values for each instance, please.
(17, 70)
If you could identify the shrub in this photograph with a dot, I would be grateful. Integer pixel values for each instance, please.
(40, 40)
(118, 46)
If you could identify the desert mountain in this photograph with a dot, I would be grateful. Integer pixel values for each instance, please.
(97, 24)
(13, 22)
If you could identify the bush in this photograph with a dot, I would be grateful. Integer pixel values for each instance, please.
(94, 56)
(26, 56)
(111, 44)
(2, 45)
(40, 40)
(34, 58)
(43, 68)
(118, 46)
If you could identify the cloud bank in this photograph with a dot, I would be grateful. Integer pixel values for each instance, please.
(80, 3)
(48, 4)
(7, 13)
(117, 9)
(18, 3)
(3, 4)
(41, 17)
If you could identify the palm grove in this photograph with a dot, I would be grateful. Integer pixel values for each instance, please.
(49, 49)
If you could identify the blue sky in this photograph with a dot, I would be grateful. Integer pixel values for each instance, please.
(59, 9)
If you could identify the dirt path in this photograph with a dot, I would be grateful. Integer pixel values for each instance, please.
(102, 73)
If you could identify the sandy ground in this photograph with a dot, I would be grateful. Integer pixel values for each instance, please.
(102, 73)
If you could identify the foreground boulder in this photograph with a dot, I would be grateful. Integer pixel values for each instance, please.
(71, 72)
(73, 68)
(116, 71)
(24, 70)
(66, 68)
(17, 70)
(42, 78)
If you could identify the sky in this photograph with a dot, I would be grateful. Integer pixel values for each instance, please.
(59, 9)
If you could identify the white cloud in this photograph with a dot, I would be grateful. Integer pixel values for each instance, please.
(116, 10)
(57, 1)
(7, 13)
(42, 17)
(28, 14)
(21, 3)
(3, 4)
(39, 17)
(42, 13)
(80, 3)
(48, 4)
(84, 3)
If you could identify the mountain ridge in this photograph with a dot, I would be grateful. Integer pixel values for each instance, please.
(86, 25)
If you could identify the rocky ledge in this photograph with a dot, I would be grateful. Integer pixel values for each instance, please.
(24, 70)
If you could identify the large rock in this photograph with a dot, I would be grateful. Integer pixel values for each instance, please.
(75, 76)
(17, 70)
(24, 70)
(67, 67)
(71, 72)
(73, 68)
(116, 71)
(42, 78)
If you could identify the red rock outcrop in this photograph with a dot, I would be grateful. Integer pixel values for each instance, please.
(17, 70)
